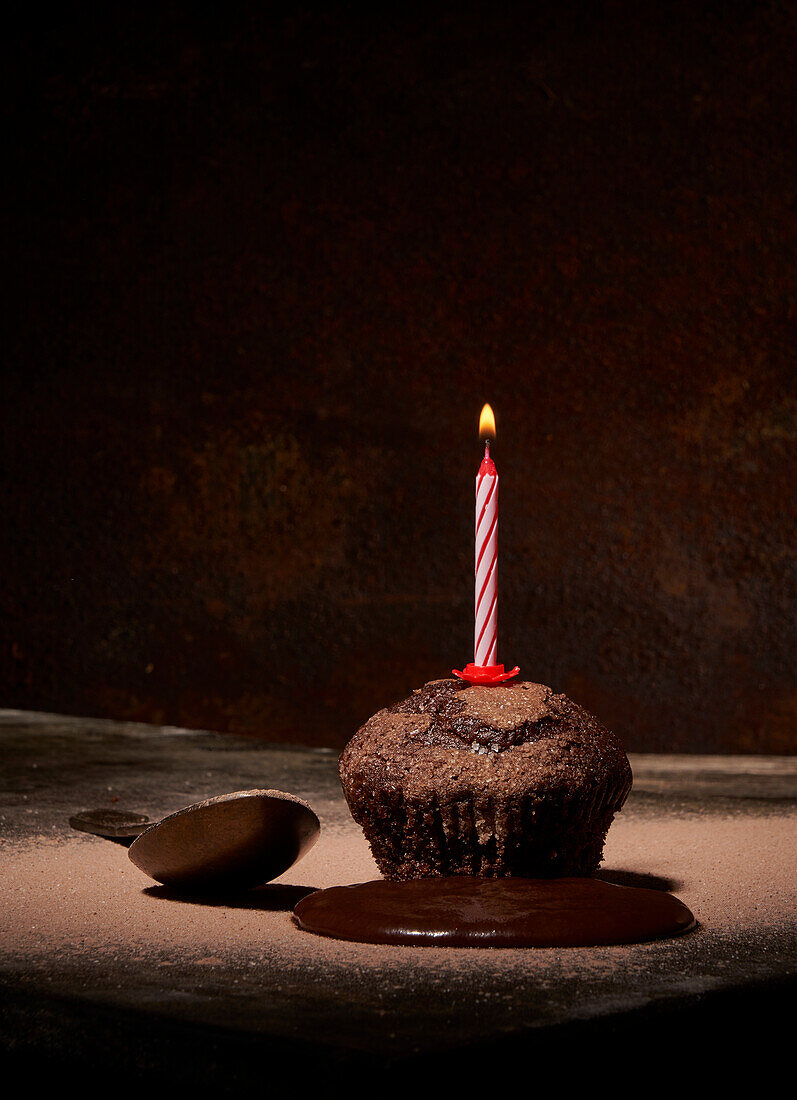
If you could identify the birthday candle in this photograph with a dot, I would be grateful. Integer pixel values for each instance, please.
(484, 668)
(486, 627)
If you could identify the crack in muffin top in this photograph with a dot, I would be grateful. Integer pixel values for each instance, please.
(484, 719)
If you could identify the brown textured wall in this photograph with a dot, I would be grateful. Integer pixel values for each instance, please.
(265, 271)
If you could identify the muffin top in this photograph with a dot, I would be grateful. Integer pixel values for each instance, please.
(452, 739)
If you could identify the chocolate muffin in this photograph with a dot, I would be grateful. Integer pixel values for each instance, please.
(462, 779)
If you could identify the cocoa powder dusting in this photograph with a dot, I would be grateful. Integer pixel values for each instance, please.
(82, 900)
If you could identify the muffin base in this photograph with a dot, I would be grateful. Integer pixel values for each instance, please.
(533, 838)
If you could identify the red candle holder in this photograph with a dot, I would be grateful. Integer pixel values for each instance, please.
(485, 674)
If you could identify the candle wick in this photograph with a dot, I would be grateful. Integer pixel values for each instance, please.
(487, 448)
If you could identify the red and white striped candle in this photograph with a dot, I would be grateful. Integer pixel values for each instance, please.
(486, 628)
(485, 668)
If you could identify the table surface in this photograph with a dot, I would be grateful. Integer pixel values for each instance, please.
(100, 964)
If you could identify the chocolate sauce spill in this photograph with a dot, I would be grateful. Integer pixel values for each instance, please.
(463, 911)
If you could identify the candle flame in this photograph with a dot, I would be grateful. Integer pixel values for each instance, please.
(487, 423)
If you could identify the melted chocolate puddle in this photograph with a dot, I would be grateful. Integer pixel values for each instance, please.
(481, 912)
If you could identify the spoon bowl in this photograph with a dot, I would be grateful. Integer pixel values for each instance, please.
(231, 842)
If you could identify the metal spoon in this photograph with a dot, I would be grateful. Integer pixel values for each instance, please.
(231, 842)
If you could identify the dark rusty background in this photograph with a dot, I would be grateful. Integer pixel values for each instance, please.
(266, 269)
